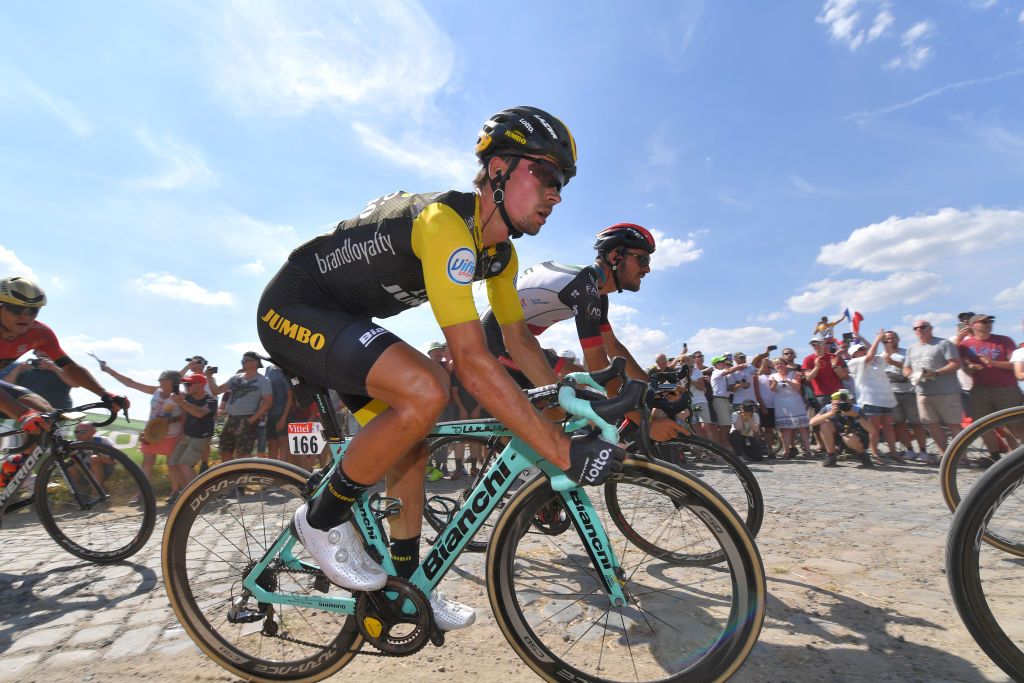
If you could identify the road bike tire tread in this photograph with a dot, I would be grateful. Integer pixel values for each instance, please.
(326, 663)
(50, 468)
(962, 562)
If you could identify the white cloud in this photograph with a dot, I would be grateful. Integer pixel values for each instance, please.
(19, 89)
(412, 150)
(863, 116)
(672, 251)
(249, 238)
(866, 295)
(915, 54)
(254, 268)
(1021, 17)
(843, 18)
(932, 317)
(11, 265)
(771, 317)
(715, 340)
(808, 188)
(289, 58)
(114, 349)
(167, 285)
(1011, 296)
(185, 164)
(660, 153)
(916, 241)
(618, 310)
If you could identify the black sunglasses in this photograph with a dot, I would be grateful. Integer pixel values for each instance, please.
(546, 173)
(922, 327)
(20, 310)
(643, 259)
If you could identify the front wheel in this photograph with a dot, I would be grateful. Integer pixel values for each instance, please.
(984, 580)
(219, 528)
(95, 502)
(681, 623)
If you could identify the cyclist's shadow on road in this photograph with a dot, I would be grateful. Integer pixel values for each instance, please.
(31, 600)
(830, 642)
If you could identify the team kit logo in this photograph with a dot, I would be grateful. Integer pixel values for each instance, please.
(462, 266)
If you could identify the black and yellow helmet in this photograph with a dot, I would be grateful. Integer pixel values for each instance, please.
(522, 131)
(19, 291)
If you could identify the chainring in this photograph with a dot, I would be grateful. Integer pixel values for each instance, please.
(385, 621)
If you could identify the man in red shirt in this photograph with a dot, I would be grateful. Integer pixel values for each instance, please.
(825, 371)
(986, 357)
(20, 332)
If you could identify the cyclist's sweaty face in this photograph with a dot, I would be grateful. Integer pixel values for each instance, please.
(635, 263)
(16, 323)
(531, 193)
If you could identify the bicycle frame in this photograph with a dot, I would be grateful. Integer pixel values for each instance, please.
(492, 486)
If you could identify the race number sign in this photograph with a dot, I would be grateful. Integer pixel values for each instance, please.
(305, 438)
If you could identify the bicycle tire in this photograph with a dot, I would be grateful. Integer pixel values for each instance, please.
(438, 518)
(211, 540)
(723, 470)
(110, 529)
(548, 630)
(955, 475)
(965, 564)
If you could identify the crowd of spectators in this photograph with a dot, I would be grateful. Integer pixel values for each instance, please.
(852, 395)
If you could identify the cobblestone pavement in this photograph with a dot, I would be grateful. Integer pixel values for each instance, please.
(854, 560)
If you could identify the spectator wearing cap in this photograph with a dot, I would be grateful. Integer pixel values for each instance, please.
(741, 384)
(745, 437)
(765, 400)
(906, 420)
(251, 398)
(277, 416)
(200, 410)
(844, 418)
(986, 357)
(698, 397)
(874, 393)
(567, 362)
(931, 366)
(824, 371)
(164, 425)
(721, 404)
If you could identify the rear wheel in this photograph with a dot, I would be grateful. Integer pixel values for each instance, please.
(220, 527)
(984, 580)
(95, 502)
(681, 623)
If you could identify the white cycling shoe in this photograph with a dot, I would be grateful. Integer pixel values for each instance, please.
(450, 615)
(340, 554)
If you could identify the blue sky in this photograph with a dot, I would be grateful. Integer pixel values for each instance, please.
(159, 160)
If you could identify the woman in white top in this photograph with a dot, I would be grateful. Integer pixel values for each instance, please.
(790, 409)
(766, 402)
(874, 393)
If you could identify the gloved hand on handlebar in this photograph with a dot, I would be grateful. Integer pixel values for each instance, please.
(32, 422)
(592, 459)
(116, 403)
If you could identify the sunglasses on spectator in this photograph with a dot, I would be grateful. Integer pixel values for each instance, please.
(643, 259)
(698, 355)
(546, 173)
(922, 327)
(21, 310)
(788, 353)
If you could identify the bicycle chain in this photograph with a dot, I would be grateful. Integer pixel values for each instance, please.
(298, 641)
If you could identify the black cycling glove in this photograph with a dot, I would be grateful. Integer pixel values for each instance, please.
(592, 459)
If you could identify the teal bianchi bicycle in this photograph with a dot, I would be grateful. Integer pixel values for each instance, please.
(624, 592)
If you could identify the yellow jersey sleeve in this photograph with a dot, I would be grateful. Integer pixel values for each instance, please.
(501, 292)
(447, 255)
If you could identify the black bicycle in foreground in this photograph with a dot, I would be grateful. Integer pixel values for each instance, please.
(92, 499)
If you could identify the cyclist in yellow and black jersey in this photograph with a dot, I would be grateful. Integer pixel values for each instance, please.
(315, 319)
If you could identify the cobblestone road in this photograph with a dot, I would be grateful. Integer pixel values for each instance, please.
(855, 572)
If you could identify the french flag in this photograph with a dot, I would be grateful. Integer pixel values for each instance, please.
(855, 321)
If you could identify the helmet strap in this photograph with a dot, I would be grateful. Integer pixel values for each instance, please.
(615, 268)
(498, 195)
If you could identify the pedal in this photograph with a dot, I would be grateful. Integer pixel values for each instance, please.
(383, 507)
(321, 583)
(437, 636)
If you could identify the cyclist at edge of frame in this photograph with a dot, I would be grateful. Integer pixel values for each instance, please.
(550, 292)
(21, 332)
(402, 250)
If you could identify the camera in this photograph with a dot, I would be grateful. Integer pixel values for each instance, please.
(32, 362)
(847, 337)
(748, 409)
(845, 406)
(964, 317)
(212, 369)
(772, 347)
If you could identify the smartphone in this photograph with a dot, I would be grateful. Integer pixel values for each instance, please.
(847, 337)
(772, 347)
(212, 369)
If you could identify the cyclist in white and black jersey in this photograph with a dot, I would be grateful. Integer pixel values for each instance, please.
(550, 292)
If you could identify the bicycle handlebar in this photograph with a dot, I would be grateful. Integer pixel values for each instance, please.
(55, 416)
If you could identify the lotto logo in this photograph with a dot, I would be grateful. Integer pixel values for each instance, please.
(462, 266)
